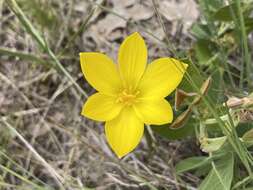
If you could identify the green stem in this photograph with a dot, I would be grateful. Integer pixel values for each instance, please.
(246, 55)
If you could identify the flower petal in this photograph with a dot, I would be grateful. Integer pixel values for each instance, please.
(161, 78)
(101, 107)
(100, 71)
(124, 132)
(132, 59)
(154, 112)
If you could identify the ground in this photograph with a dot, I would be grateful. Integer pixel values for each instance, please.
(44, 140)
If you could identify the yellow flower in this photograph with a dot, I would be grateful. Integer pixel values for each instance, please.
(131, 93)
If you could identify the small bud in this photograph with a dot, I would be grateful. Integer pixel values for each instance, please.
(181, 119)
(180, 97)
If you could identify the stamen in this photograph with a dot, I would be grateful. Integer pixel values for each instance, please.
(127, 97)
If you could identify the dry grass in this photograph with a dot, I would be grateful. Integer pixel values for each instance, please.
(44, 140)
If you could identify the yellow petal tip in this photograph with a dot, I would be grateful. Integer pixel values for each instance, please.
(182, 64)
(81, 54)
(82, 113)
(185, 66)
(136, 35)
(119, 156)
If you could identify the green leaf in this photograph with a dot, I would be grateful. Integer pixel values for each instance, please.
(173, 134)
(216, 91)
(226, 13)
(249, 25)
(243, 128)
(201, 31)
(204, 52)
(194, 72)
(229, 12)
(221, 175)
(248, 136)
(192, 163)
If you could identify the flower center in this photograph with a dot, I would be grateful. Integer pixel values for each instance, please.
(127, 97)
